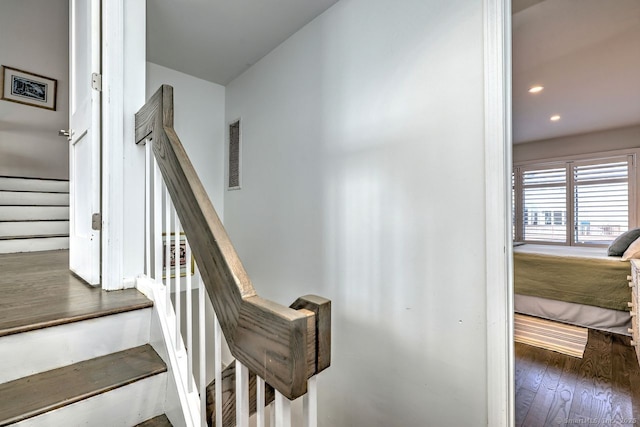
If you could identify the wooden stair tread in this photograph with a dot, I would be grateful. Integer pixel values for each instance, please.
(159, 421)
(36, 394)
(10, 323)
(37, 290)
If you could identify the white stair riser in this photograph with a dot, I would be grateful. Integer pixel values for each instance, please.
(41, 350)
(33, 245)
(123, 406)
(33, 228)
(21, 198)
(26, 213)
(25, 184)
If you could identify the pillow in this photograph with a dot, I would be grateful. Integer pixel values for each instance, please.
(622, 242)
(633, 251)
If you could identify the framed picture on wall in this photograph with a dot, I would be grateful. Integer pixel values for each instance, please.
(28, 88)
(176, 255)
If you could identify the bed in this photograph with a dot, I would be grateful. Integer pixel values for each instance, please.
(577, 285)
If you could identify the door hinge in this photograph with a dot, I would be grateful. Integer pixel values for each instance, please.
(96, 222)
(96, 81)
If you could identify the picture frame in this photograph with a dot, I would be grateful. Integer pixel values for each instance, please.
(28, 88)
(183, 262)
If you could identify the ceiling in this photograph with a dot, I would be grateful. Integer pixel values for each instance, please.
(586, 54)
(216, 40)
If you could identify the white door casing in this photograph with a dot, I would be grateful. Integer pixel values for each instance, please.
(499, 249)
(84, 146)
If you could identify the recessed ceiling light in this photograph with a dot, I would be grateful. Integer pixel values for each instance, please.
(554, 118)
(536, 89)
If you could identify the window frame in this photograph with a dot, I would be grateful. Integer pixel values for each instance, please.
(569, 162)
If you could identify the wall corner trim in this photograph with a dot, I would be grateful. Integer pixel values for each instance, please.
(112, 152)
(499, 259)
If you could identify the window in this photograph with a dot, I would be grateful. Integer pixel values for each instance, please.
(601, 201)
(574, 202)
(544, 190)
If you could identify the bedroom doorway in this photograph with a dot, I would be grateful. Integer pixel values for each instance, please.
(576, 123)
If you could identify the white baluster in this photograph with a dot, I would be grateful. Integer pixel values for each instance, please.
(310, 403)
(242, 395)
(147, 208)
(203, 349)
(260, 413)
(176, 271)
(283, 411)
(189, 321)
(217, 360)
(157, 221)
(167, 248)
(272, 414)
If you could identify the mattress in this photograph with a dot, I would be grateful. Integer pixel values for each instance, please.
(579, 275)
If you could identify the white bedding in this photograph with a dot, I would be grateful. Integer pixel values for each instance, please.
(566, 251)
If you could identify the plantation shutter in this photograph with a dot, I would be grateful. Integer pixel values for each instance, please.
(544, 201)
(601, 200)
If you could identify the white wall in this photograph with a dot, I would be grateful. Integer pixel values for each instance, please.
(363, 182)
(199, 123)
(34, 37)
(594, 142)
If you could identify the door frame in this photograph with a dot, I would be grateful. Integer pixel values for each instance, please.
(499, 245)
(122, 256)
(112, 135)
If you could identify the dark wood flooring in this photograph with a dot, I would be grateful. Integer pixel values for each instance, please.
(159, 421)
(38, 290)
(34, 395)
(601, 389)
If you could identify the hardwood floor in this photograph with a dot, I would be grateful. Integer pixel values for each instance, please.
(38, 290)
(602, 388)
(159, 421)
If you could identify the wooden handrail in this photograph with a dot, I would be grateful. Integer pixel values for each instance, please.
(285, 346)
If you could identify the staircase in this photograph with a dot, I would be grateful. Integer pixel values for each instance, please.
(73, 355)
(34, 214)
(278, 350)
